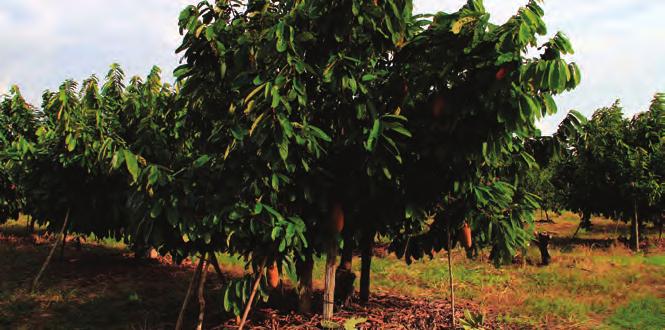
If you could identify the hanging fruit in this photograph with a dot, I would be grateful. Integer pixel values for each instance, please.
(337, 217)
(503, 71)
(438, 106)
(273, 275)
(466, 232)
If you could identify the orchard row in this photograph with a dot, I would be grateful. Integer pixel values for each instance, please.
(289, 134)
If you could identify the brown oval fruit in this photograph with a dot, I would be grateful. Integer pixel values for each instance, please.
(337, 217)
(466, 231)
(501, 73)
(273, 276)
(438, 106)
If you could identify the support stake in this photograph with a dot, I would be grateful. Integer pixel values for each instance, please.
(181, 315)
(251, 296)
(50, 255)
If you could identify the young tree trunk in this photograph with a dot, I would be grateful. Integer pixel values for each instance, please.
(365, 270)
(543, 242)
(30, 226)
(586, 220)
(181, 315)
(329, 289)
(255, 287)
(215, 264)
(202, 301)
(547, 216)
(660, 230)
(346, 258)
(344, 276)
(635, 233)
(304, 268)
(450, 275)
(62, 247)
(50, 255)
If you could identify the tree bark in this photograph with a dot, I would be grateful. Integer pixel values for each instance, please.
(543, 242)
(202, 301)
(305, 268)
(329, 289)
(346, 258)
(50, 255)
(255, 287)
(344, 276)
(215, 264)
(181, 315)
(365, 270)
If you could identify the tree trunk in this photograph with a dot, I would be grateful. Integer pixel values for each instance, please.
(635, 239)
(304, 268)
(215, 264)
(660, 230)
(344, 276)
(50, 255)
(202, 301)
(543, 242)
(586, 220)
(547, 217)
(255, 287)
(329, 289)
(30, 226)
(450, 275)
(365, 271)
(346, 258)
(62, 247)
(181, 315)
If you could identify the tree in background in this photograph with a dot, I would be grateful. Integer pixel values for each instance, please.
(615, 168)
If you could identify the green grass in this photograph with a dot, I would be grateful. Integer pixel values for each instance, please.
(563, 308)
(639, 314)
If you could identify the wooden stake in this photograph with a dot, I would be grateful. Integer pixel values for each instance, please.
(50, 255)
(636, 231)
(251, 296)
(181, 315)
(202, 301)
(450, 274)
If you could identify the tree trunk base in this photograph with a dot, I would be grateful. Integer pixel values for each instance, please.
(305, 287)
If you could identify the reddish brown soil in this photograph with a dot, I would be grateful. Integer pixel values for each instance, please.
(98, 282)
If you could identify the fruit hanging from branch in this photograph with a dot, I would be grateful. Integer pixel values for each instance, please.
(273, 275)
(466, 232)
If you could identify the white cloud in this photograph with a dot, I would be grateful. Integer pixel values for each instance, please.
(618, 42)
(50, 41)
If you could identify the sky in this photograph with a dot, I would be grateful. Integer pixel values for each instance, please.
(619, 44)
